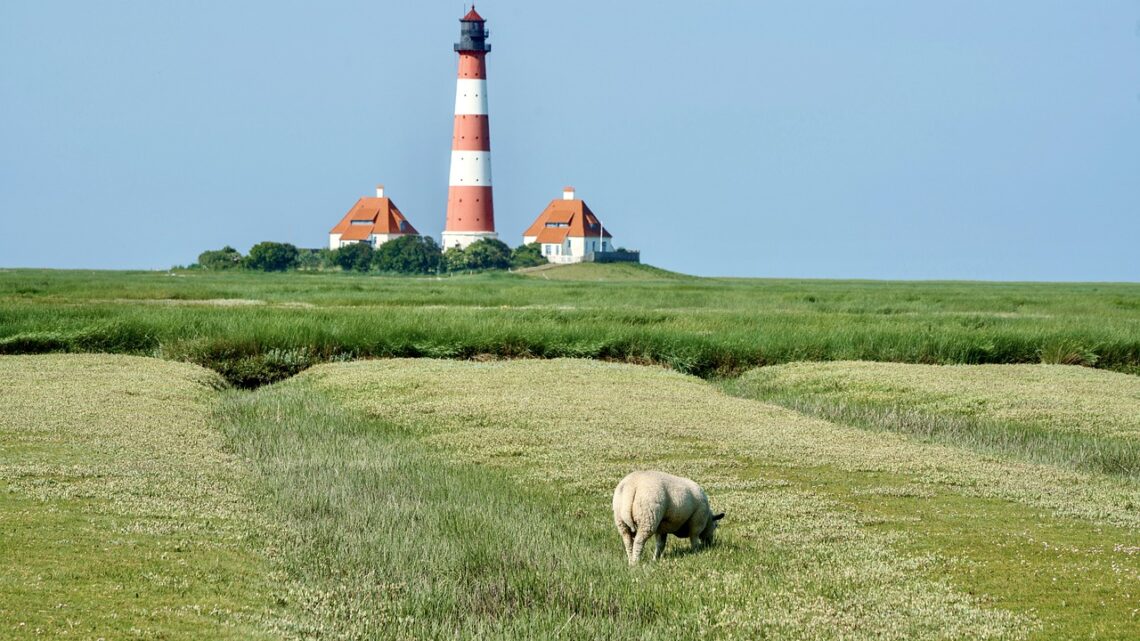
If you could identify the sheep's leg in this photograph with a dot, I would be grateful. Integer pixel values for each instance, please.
(695, 541)
(661, 539)
(626, 539)
(638, 543)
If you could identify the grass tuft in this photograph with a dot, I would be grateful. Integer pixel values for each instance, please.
(1068, 352)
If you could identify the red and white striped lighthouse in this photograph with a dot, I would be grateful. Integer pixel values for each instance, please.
(470, 208)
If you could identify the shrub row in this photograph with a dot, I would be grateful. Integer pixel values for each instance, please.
(404, 255)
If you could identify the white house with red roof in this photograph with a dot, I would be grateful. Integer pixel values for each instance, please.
(371, 220)
(568, 231)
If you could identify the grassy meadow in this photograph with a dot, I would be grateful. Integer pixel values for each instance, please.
(1073, 417)
(218, 460)
(258, 328)
(121, 514)
(442, 499)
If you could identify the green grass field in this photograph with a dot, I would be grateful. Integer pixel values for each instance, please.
(468, 496)
(121, 514)
(257, 328)
(1069, 416)
(441, 499)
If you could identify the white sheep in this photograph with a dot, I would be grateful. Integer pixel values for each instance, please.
(655, 503)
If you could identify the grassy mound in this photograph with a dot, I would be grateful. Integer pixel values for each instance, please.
(1068, 416)
(831, 530)
(604, 272)
(122, 516)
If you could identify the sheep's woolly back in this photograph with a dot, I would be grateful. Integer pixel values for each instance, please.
(660, 502)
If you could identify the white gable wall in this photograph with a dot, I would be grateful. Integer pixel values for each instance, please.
(573, 249)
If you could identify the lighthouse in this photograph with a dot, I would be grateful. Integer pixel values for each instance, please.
(470, 207)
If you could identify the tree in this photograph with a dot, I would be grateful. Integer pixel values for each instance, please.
(224, 258)
(315, 259)
(456, 260)
(408, 255)
(271, 257)
(527, 256)
(488, 253)
(354, 257)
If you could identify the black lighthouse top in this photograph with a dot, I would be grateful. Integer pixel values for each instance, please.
(472, 33)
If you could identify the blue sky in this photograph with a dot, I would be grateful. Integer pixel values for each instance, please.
(884, 139)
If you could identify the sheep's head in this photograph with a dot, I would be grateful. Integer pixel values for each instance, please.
(708, 536)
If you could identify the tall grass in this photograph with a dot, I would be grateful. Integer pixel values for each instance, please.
(708, 327)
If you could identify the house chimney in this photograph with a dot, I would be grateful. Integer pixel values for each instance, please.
(567, 193)
(379, 191)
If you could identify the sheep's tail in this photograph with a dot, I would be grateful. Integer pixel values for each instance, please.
(627, 507)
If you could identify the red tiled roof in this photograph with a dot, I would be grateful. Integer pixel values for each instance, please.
(580, 221)
(473, 15)
(357, 232)
(382, 215)
(552, 235)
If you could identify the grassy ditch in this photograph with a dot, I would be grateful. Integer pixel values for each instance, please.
(1071, 417)
(385, 540)
(260, 328)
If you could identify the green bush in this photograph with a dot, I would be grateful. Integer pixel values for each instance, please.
(315, 259)
(488, 253)
(271, 257)
(408, 255)
(224, 258)
(456, 260)
(354, 257)
(527, 256)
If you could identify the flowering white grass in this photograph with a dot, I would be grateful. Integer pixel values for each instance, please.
(447, 499)
(1061, 414)
(546, 411)
(1063, 398)
(122, 515)
(809, 549)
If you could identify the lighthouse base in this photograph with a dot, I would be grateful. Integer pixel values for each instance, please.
(463, 239)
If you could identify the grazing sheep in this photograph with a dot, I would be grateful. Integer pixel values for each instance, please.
(656, 503)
